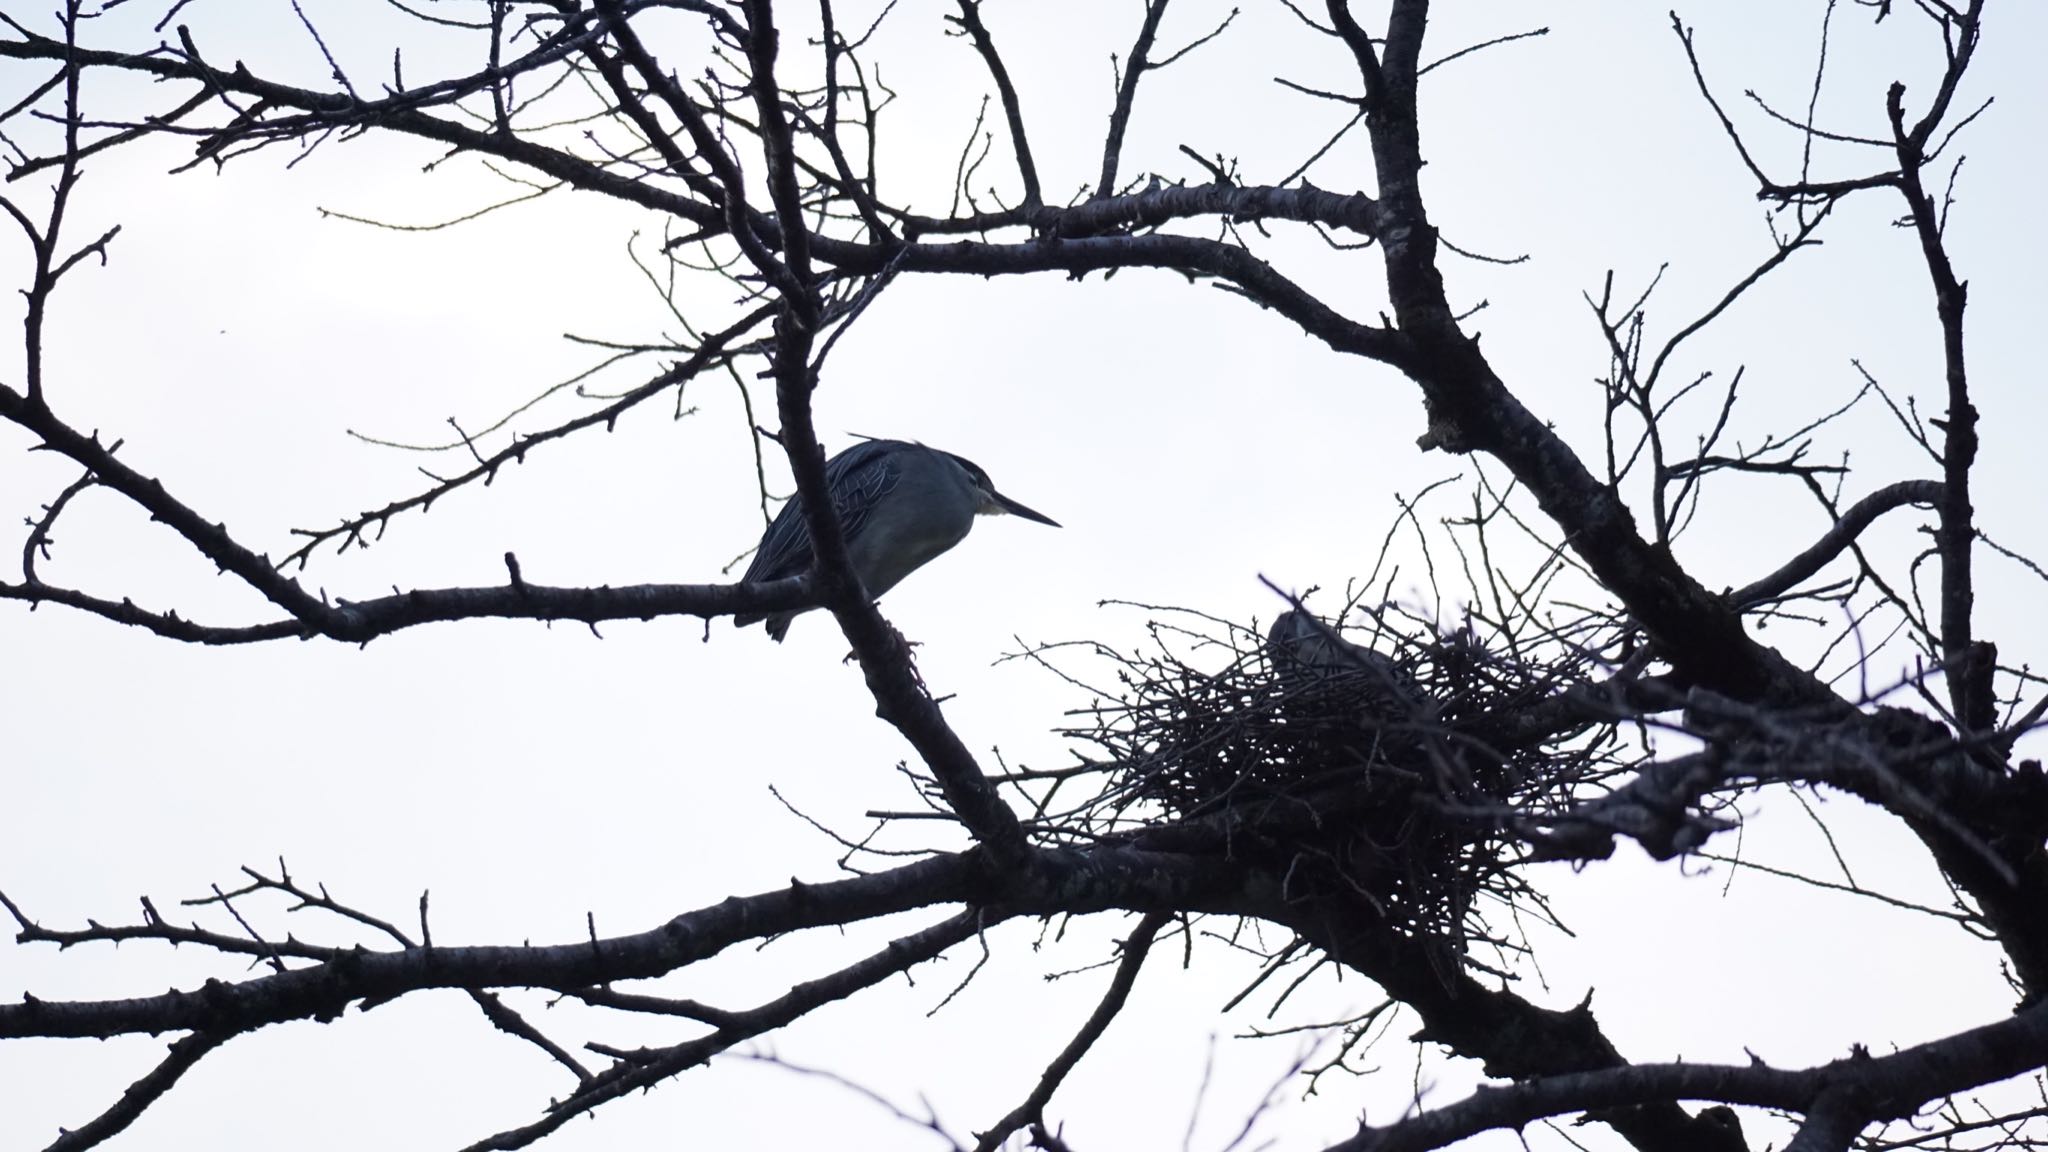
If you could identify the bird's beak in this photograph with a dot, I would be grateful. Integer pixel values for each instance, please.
(1015, 509)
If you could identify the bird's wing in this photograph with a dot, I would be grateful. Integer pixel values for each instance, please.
(858, 478)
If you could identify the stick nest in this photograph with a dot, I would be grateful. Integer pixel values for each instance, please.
(1390, 775)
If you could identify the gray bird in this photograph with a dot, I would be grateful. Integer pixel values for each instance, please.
(1308, 656)
(900, 504)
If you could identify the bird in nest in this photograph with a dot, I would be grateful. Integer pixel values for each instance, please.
(1307, 655)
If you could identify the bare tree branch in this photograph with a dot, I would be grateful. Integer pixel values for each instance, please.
(1846, 1094)
(1032, 1110)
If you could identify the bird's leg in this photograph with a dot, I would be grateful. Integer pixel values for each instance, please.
(910, 648)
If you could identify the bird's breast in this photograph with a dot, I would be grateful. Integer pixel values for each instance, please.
(893, 549)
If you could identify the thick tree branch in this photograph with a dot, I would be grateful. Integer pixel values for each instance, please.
(1050, 882)
(1512, 1038)
(324, 990)
(1842, 1096)
(885, 658)
(1471, 409)
(360, 621)
(1831, 544)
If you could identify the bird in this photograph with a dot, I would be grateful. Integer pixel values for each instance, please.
(900, 504)
(1308, 656)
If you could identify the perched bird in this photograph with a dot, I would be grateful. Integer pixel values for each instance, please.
(1308, 656)
(900, 504)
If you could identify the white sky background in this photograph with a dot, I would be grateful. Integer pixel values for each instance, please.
(528, 776)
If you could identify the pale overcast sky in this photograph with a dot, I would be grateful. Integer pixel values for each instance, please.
(1188, 442)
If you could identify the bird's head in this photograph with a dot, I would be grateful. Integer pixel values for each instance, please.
(992, 502)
